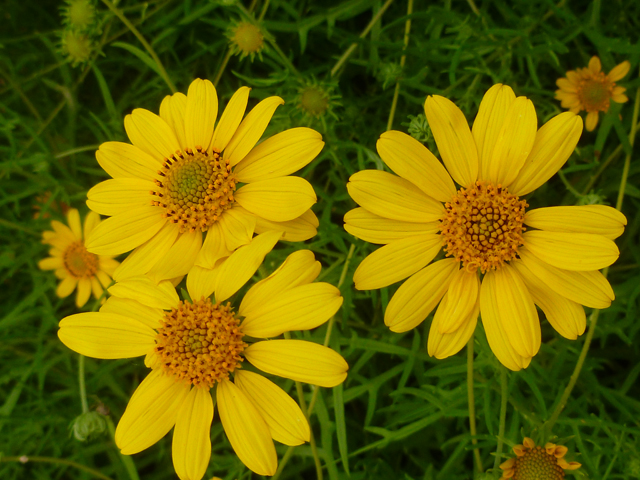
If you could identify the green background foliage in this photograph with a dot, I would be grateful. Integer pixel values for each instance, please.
(400, 414)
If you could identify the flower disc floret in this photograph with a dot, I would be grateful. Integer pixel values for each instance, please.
(200, 342)
(482, 226)
(537, 464)
(78, 262)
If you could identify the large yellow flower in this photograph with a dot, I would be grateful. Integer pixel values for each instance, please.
(193, 346)
(73, 264)
(591, 90)
(182, 177)
(496, 267)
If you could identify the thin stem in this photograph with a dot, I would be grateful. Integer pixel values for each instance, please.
(127, 461)
(57, 461)
(568, 186)
(345, 56)
(223, 65)
(403, 59)
(504, 397)
(263, 12)
(473, 6)
(145, 44)
(82, 386)
(472, 404)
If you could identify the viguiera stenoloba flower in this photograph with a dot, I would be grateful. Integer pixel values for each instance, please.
(503, 259)
(186, 177)
(536, 463)
(195, 349)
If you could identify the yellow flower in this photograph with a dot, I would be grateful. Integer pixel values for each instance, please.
(534, 462)
(73, 264)
(481, 226)
(193, 346)
(591, 90)
(180, 179)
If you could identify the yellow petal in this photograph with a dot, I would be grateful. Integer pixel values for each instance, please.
(125, 231)
(151, 134)
(514, 142)
(594, 64)
(180, 257)
(214, 247)
(152, 317)
(247, 432)
(201, 282)
(250, 130)
(106, 335)
(301, 308)
(50, 263)
(122, 160)
(84, 291)
(66, 287)
(73, 220)
(372, 228)
(419, 295)
(453, 137)
(91, 220)
(488, 124)
(572, 251)
(411, 160)
(443, 345)
(151, 412)
(277, 199)
(231, 118)
(595, 219)
(119, 195)
(299, 229)
(280, 412)
(237, 225)
(172, 111)
(619, 71)
(392, 197)
(298, 360)
(299, 268)
(554, 143)
(201, 113)
(191, 446)
(242, 264)
(280, 155)
(566, 316)
(506, 303)
(396, 261)
(566, 85)
(459, 301)
(96, 288)
(586, 288)
(591, 121)
(63, 232)
(144, 290)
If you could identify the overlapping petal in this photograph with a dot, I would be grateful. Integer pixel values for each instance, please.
(373, 228)
(123, 160)
(594, 219)
(200, 113)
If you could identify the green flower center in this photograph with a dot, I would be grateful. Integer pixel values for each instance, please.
(314, 101)
(79, 262)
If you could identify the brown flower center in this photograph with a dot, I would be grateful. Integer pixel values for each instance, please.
(200, 342)
(595, 91)
(197, 187)
(78, 262)
(482, 226)
(537, 464)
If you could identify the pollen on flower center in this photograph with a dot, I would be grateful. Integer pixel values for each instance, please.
(595, 92)
(79, 262)
(195, 189)
(200, 342)
(537, 464)
(483, 225)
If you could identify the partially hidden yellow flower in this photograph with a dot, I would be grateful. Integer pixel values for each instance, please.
(73, 264)
(179, 181)
(535, 462)
(496, 268)
(591, 90)
(195, 349)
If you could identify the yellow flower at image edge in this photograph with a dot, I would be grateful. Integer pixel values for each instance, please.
(180, 179)
(535, 462)
(195, 345)
(498, 267)
(73, 264)
(591, 90)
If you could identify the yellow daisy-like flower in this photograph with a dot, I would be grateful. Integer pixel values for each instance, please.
(591, 90)
(535, 463)
(182, 176)
(194, 347)
(73, 264)
(496, 267)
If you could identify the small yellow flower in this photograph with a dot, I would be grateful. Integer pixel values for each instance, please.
(591, 90)
(195, 349)
(73, 264)
(536, 463)
(246, 39)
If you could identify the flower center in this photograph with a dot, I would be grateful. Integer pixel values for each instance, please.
(482, 226)
(537, 464)
(595, 92)
(314, 101)
(248, 38)
(78, 262)
(200, 342)
(196, 189)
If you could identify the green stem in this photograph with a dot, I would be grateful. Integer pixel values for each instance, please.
(223, 65)
(472, 404)
(143, 41)
(567, 185)
(82, 386)
(127, 461)
(57, 461)
(504, 397)
(403, 59)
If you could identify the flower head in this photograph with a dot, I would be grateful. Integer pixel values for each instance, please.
(73, 264)
(196, 348)
(76, 46)
(79, 14)
(246, 39)
(181, 181)
(535, 462)
(591, 90)
(503, 258)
